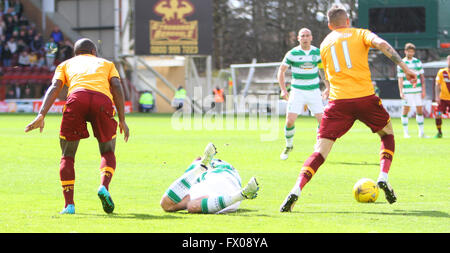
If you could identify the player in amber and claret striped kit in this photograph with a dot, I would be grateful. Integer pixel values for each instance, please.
(93, 89)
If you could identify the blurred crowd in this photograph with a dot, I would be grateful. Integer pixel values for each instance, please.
(22, 45)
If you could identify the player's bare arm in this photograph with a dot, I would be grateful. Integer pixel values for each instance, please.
(118, 97)
(390, 52)
(326, 92)
(437, 89)
(49, 98)
(281, 81)
(424, 88)
(400, 86)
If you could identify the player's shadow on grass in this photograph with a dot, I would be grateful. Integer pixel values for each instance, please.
(419, 213)
(135, 216)
(248, 212)
(355, 163)
(437, 214)
(239, 212)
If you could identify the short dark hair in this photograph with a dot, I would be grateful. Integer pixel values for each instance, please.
(84, 46)
(336, 14)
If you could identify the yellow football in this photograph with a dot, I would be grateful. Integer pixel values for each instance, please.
(365, 190)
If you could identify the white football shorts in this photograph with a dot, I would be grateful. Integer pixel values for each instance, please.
(299, 98)
(214, 185)
(413, 99)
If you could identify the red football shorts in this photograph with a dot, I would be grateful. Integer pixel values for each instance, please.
(88, 106)
(339, 116)
(444, 106)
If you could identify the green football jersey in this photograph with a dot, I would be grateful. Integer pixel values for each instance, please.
(415, 65)
(221, 167)
(304, 67)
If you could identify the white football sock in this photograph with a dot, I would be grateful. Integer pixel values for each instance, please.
(296, 189)
(180, 187)
(215, 204)
(383, 176)
(405, 123)
(420, 120)
(289, 135)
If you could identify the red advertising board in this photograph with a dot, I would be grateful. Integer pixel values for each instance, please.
(58, 107)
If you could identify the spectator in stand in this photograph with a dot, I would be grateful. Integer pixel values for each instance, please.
(65, 50)
(17, 7)
(37, 43)
(50, 52)
(21, 46)
(16, 21)
(13, 7)
(15, 33)
(33, 59)
(2, 40)
(2, 26)
(6, 6)
(44, 90)
(6, 55)
(27, 92)
(29, 36)
(22, 35)
(11, 94)
(23, 22)
(2, 8)
(12, 44)
(17, 90)
(40, 61)
(10, 24)
(57, 35)
(24, 59)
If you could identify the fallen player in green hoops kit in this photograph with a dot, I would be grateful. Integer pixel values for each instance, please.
(209, 185)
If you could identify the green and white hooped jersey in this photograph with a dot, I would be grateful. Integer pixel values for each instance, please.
(415, 65)
(304, 67)
(218, 167)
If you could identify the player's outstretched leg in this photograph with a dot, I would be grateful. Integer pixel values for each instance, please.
(250, 191)
(208, 154)
(218, 203)
(386, 156)
(309, 168)
(178, 190)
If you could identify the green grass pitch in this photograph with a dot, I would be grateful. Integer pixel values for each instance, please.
(156, 154)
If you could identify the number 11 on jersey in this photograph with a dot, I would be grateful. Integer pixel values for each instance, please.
(348, 62)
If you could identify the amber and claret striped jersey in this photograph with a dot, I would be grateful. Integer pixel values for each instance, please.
(443, 79)
(86, 72)
(344, 54)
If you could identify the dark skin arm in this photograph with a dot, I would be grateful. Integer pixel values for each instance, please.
(119, 101)
(49, 98)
